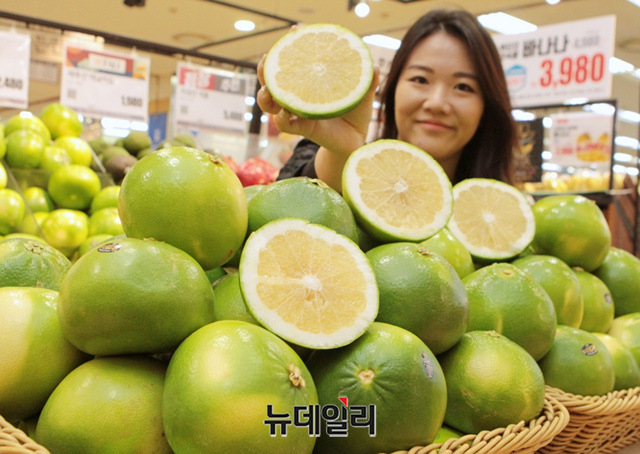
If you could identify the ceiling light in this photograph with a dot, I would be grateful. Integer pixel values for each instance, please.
(628, 142)
(617, 66)
(629, 116)
(362, 9)
(635, 2)
(506, 24)
(553, 2)
(601, 108)
(244, 25)
(382, 41)
(521, 115)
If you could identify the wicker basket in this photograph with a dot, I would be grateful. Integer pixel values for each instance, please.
(521, 438)
(15, 441)
(598, 424)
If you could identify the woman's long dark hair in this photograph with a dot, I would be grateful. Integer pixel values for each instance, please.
(489, 153)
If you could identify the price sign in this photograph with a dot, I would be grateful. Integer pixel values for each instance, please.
(581, 139)
(97, 83)
(559, 62)
(15, 52)
(211, 99)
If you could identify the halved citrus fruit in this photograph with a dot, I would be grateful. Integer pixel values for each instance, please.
(319, 71)
(308, 284)
(492, 219)
(396, 191)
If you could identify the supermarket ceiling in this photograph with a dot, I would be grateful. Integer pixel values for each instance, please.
(203, 30)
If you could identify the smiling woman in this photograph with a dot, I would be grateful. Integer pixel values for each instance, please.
(445, 93)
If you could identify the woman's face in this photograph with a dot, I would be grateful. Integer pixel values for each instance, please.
(438, 99)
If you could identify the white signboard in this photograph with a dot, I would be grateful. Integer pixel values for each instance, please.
(15, 52)
(211, 99)
(559, 62)
(580, 139)
(98, 83)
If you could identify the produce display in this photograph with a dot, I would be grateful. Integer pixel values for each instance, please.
(191, 305)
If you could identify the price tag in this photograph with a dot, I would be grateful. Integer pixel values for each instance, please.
(559, 62)
(211, 99)
(97, 83)
(15, 52)
(581, 139)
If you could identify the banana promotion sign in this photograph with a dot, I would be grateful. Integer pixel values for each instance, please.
(581, 139)
(559, 62)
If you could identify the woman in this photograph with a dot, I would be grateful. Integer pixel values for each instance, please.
(445, 93)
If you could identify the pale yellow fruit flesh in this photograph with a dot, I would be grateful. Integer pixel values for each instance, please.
(399, 188)
(490, 217)
(333, 74)
(306, 291)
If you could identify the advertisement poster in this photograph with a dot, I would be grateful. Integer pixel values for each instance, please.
(15, 49)
(211, 99)
(98, 83)
(559, 62)
(581, 139)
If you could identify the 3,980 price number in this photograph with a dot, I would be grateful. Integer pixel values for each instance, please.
(573, 70)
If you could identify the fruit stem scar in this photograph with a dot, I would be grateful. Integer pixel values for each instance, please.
(424, 251)
(366, 376)
(295, 377)
(215, 159)
(33, 247)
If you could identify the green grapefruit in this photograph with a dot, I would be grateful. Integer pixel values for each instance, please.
(505, 299)
(420, 292)
(107, 405)
(134, 296)
(214, 401)
(492, 382)
(35, 356)
(189, 199)
(387, 371)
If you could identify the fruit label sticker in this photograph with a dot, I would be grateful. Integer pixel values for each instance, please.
(212, 99)
(109, 247)
(589, 349)
(581, 139)
(97, 83)
(428, 365)
(559, 62)
(15, 50)
(337, 419)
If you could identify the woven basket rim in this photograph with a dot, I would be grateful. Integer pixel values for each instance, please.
(614, 402)
(15, 441)
(524, 435)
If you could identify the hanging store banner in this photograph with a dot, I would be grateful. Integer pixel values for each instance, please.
(559, 62)
(211, 99)
(100, 84)
(15, 49)
(581, 139)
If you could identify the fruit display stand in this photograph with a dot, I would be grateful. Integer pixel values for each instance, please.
(15, 441)
(598, 424)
